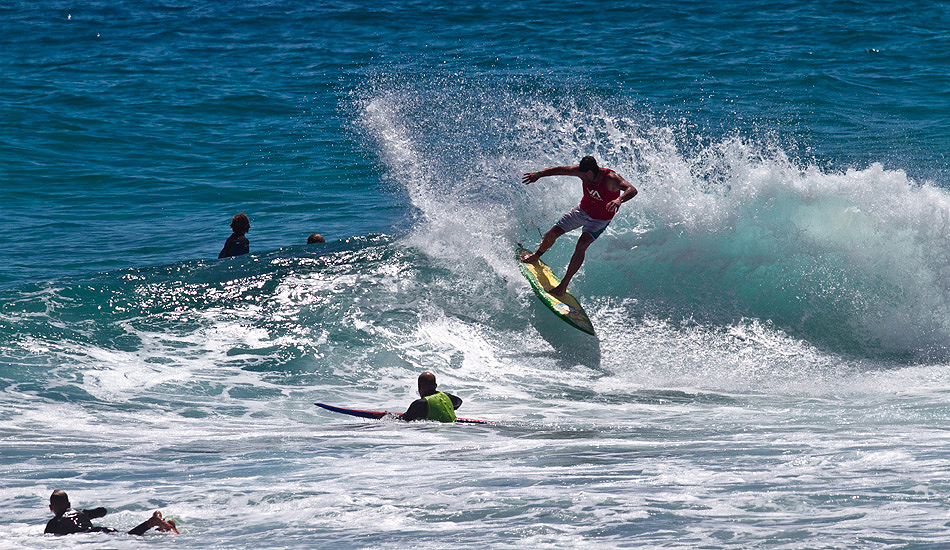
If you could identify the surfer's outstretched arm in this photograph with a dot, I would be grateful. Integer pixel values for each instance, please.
(531, 177)
(155, 521)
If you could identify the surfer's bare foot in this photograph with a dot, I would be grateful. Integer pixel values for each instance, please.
(557, 291)
(528, 258)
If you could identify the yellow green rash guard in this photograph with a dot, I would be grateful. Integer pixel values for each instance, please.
(440, 407)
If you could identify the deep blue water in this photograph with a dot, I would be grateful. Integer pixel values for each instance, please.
(773, 309)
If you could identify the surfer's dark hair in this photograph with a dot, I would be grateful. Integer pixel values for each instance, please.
(240, 223)
(59, 498)
(588, 164)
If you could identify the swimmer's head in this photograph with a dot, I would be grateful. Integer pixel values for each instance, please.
(315, 238)
(240, 224)
(427, 384)
(58, 502)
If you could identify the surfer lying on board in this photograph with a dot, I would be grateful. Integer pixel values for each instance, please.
(69, 521)
(433, 404)
(604, 192)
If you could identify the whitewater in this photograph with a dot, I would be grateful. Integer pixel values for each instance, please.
(770, 337)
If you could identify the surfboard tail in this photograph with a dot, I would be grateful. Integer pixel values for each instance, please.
(566, 306)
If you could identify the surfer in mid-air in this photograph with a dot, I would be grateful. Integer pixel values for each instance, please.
(604, 192)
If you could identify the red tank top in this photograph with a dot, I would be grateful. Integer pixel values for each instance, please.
(596, 197)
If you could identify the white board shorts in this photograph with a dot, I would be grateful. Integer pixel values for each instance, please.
(578, 218)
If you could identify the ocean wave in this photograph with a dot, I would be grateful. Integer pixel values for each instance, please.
(722, 230)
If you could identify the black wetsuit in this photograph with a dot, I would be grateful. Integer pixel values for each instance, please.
(419, 409)
(77, 521)
(236, 245)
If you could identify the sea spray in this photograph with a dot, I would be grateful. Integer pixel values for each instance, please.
(721, 231)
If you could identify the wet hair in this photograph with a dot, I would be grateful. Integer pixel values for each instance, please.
(59, 499)
(240, 223)
(588, 164)
(315, 238)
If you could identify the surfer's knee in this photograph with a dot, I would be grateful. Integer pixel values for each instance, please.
(585, 241)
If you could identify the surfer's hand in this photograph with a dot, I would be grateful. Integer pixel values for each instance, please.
(613, 205)
(530, 177)
(162, 524)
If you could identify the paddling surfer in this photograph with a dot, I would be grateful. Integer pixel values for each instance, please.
(604, 192)
(432, 404)
(68, 520)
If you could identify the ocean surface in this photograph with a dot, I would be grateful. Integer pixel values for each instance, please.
(772, 361)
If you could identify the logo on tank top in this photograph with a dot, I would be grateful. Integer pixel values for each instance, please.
(594, 194)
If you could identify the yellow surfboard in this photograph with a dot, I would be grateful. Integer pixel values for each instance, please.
(542, 280)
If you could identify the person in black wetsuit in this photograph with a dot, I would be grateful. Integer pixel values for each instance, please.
(433, 404)
(237, 244)
(69, 521)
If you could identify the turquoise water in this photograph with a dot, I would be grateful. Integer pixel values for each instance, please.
(772, 362)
